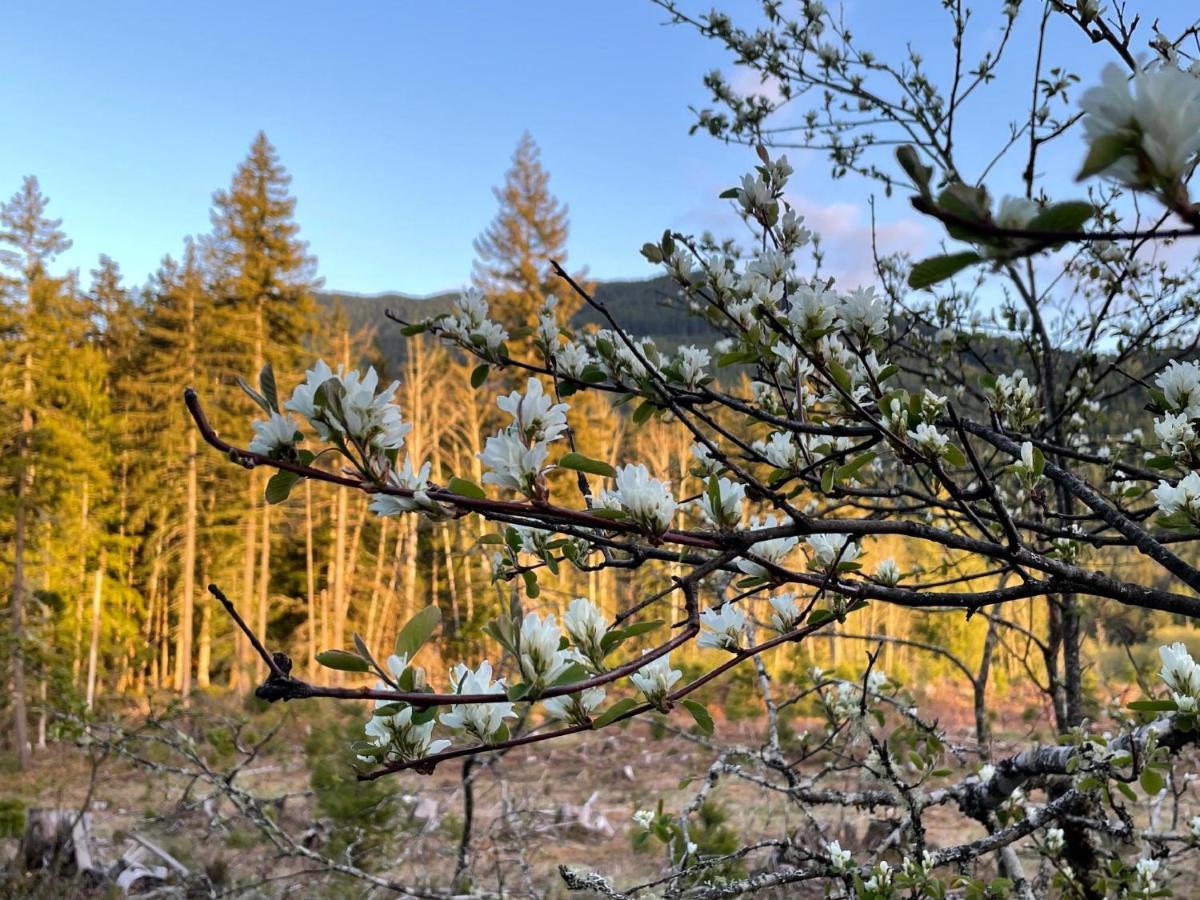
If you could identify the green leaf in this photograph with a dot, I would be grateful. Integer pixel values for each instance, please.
(851, 468)
(700, 714)
(1151, 781)
(414, 329)
(614, 712)
(736, 356)
(652, 253)
(266, 382)
(827, 480)
(531, 584)
(643, 412)
(821, 616)
(938, 268)
(280, 486)
(479, 375)
(1152, 705)
(255, 395)
(954, 456)
(729, 194)
(342, 660)
(617, 636)
(361, 646)
(1068, 216)
(417, 631)
(465, 488)
(1103, 152)
(581, 463)
(517, 691)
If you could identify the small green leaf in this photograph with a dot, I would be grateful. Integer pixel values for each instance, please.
(643, 412)
(342, 660)
(821, 616)
(1152, 705)
(852, 468)
(531, 584)
(1151, 781)
(479, 375)
(1103, 152)
(280, 486)
(417, 631)
(614, 712)
(581, 463)
(1068, 216)
(954, 456)
(827, 480)
(700, 714)
(255, 395)
(938, 268)
(266, 382)
(414, 329)
(465, 488)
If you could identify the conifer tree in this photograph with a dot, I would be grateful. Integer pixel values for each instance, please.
(29, 241)
(529, 230)
(263, 281)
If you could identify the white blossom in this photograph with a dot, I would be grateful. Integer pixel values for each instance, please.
(779, 449)
(690, 363)
(863, 313)
(401, 740)
(840, 859)
(407, 479)
(1160, 119)
(786, 613)
(928, 438)
(644, 818)
(481, 720)
(274, 435)
(1179, 671)
(587, 626)
(723, 507)
(832, 549)
(724, 628)
(887, 572)
(576, 708)
(1054, 840)
(1183, 497)
(707, 464)
(571, 359)
(541, 661)
(536, 417)
(645, 500)
(1180, 385)
(513, 464)
(655, 680)
(773, 551)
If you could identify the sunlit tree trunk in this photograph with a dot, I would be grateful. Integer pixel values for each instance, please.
(94, 642)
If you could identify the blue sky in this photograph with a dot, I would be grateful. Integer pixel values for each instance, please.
(395, 120)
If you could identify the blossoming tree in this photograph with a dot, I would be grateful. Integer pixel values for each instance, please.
(823, 418)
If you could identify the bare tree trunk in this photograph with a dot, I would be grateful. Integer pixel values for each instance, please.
(77, 649)
(239, 677)
(183, 644)
(17, 608)
(264, 571)
(94, 642)
(311, 580)
(204, 653)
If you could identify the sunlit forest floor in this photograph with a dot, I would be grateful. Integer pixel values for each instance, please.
(570, 803)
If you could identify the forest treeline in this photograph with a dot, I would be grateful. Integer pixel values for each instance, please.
(114, 515)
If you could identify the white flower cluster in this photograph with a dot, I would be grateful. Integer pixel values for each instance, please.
(541, 660)
(786, 613)
(773, 551)
(470, 325)
(829, 550)
(274, 436)
(1181, 674)
(1152, 134)
(646, 501)
(655, 680)
(1015, 401)
(586, 626)
(1176, 431)
(721, 502)
(480, 720)
(517, 455)
(724, 628)
(348, 408)
(1180, 500)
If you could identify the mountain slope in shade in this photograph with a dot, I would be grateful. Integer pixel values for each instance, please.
(643, 307)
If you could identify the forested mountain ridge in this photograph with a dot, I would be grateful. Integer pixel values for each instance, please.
(648, 307)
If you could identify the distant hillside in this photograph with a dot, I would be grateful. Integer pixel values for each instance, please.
(640, 306)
